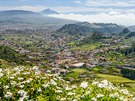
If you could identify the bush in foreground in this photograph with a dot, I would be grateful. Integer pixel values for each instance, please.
(21, 83)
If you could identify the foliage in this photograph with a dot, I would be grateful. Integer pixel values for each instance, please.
(4, 64)
(127, 51)
(113, 56)
(10, 55)
(21, 83)
(131, 34)
(129, 73)
(92, 38)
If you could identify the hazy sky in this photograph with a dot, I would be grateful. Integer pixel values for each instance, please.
(115, 11)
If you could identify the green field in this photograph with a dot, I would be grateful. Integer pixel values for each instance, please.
(127, 83)
(86, 47)
(76, 72)
(80, 70)
(115, 79)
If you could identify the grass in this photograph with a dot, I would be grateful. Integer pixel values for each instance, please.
(127, 83)
(112, 78)
(86, 47)
(4, 63)
(72, 74)
(97, 68)
(76, 72)
(130, 86)
(73, 43)
(80, 70)
(115, 79)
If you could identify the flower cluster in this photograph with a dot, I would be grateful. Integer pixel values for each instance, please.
(21, 84)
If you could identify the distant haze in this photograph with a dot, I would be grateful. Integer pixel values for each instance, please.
(121, 19)
(100, 11)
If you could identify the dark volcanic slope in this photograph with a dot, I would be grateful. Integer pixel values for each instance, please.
(21, 17)
(17, 12)
(132, 28)
(85, 27)
(127, 33)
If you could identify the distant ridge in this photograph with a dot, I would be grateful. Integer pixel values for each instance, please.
(17, 12)
(132, 28)
(85, 27)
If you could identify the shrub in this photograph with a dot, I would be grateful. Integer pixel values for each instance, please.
(21, 83)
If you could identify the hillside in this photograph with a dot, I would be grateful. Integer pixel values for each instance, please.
(127, 33)
(21, 18)
(130, 35)
(17, 12)
(10, 55)
(132, 28)
(85, 27)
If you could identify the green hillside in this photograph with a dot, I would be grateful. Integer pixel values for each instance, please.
(10, 55)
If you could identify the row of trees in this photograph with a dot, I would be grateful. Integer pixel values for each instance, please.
(128, 73)
(127, 51)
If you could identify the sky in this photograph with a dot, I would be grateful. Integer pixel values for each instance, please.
(108, 11)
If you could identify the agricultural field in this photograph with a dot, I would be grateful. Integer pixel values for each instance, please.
(29, 42)
(99, 74)
(86, 47)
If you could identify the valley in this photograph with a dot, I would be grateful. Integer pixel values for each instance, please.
(77, 51)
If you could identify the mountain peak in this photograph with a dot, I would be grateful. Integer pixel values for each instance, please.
(49, 11)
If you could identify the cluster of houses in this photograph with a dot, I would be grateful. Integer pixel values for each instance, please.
(65, 58)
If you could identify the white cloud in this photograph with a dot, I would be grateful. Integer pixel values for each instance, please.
(77, 2)
(111, 17)
(114, 13)
(103, 15)
(67, 9)
(111, 3)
